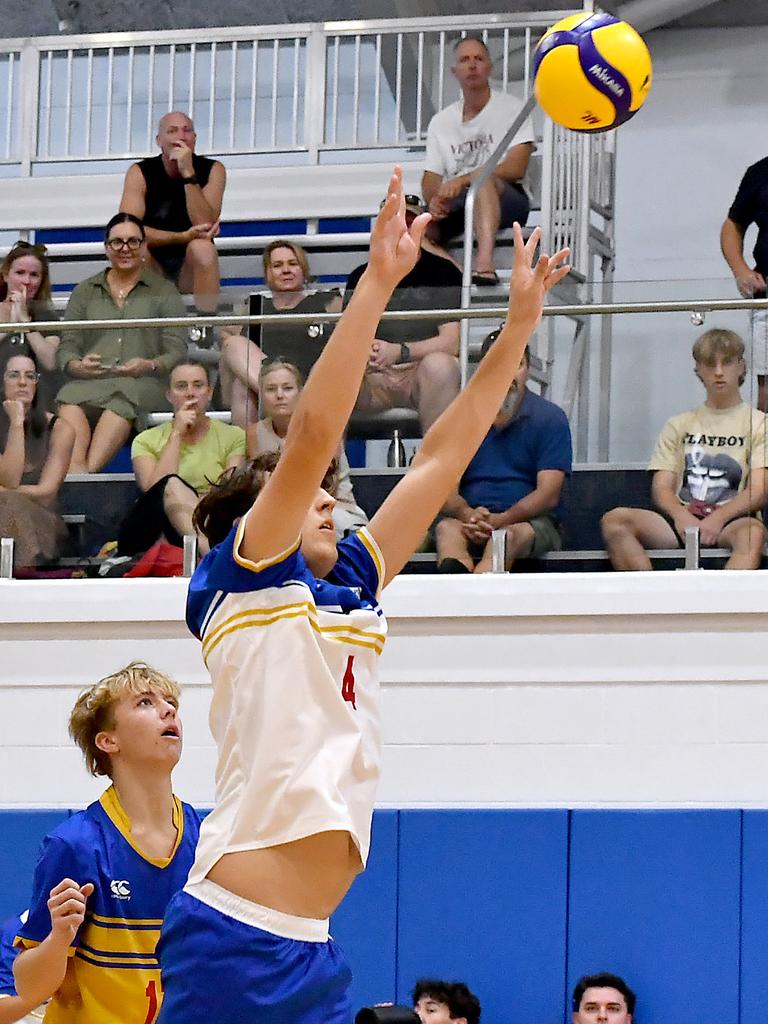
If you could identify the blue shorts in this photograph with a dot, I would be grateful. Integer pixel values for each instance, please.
(219, 968)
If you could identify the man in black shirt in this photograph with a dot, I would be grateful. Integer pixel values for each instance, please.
(178, 195)
(414, 363)
(286, 271)
(751, 207)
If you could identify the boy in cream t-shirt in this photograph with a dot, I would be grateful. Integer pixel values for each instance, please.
(708, 470)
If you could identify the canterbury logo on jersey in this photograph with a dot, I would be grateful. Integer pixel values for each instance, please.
(120, 889)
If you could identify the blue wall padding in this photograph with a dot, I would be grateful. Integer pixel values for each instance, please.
(483, 899)
(754, 918)
(365, 924)
(21, 833)
(520, 903)
(655, 897)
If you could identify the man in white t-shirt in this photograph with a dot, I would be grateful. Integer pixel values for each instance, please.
(709, 470)
(460, 139)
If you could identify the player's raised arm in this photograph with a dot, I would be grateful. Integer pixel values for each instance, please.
(328, 398)
(402, 520)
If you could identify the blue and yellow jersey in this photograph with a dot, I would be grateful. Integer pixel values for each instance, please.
(8, 953)
(114, 977)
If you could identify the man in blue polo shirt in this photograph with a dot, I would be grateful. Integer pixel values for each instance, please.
(514, 482)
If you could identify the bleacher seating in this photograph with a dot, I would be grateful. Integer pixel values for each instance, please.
(95, 505)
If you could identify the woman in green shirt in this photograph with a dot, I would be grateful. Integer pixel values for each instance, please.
(117, 375)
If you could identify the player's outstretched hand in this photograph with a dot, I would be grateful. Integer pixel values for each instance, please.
(531, 282)
(395, 247)
(67, 909)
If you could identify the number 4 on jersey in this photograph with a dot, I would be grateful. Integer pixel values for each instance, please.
(348, 683)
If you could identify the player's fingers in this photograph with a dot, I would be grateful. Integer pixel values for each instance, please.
(87, 889)
(556, 276)
(65, 883)
(419, 226)
(533, 241)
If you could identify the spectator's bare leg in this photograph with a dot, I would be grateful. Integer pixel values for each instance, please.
(109, 436)
(627, 532)
(76, 418)
(243, 358)
(520, 538)
(437, 380)
(487, 220)
(746, 539)
(451, 543)
(200, 274)
(179, 503)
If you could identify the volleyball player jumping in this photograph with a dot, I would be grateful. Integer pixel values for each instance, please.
(292, 632)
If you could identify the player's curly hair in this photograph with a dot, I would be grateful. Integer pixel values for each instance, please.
(92, 712)
(234, 493)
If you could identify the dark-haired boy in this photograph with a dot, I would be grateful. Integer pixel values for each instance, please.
(445, 1002)
(602, 999)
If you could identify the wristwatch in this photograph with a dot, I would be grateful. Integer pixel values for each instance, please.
(191, 181)
(405, 353)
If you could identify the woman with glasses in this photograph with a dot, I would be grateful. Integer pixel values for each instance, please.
(36, 447)
(25, 296)
(117, 375)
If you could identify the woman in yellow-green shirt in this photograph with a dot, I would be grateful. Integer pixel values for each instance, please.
(177, 462)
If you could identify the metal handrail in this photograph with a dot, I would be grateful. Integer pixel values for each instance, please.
(486, 313)
(469, 227)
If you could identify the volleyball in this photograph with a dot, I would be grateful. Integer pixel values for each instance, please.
(591, 72)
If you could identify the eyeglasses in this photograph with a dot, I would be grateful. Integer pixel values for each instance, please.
(116, 244)
(17, 375)
(409, 201)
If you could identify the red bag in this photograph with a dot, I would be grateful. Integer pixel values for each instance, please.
(161, 560)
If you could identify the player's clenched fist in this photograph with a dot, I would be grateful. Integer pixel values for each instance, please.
(66, 906)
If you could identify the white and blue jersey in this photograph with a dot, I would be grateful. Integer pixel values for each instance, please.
(295, 708)
(295, 716)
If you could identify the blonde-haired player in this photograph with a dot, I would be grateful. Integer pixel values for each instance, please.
(292, 632)
(106, 875)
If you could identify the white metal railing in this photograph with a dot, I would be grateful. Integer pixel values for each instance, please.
(305, 88)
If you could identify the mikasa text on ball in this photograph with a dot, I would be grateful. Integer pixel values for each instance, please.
(591, 72)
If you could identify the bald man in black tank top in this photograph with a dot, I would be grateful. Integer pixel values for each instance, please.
(178, 195)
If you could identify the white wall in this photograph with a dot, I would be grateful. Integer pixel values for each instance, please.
(505, 691)
(679, 164)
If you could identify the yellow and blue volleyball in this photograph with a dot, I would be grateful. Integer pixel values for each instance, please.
(591, 72)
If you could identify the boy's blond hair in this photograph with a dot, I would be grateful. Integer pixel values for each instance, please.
(717, 342)
(92, 712)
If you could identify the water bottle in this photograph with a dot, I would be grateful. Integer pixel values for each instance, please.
(396, 451)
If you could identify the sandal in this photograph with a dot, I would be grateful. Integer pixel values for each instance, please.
(485, 278)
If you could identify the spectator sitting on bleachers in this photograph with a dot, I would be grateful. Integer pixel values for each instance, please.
(177, 461)
(445, 1002)
(178, 195)
(414, 363)
(514, 482)
(281, 385)
(460, 139)
(119, 374)
(602, 999)
(36, 448)
(25, 296)
(286, 271)
(708, 471)
(12, 1008)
